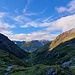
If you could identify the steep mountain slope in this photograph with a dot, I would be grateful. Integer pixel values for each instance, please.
(12, 65)
(31, 46)
(10, 55)
(40, 55)
(7, 59)
(63, 52)
(57, 59)
(8, 45)
(62, 38)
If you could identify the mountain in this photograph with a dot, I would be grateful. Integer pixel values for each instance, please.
(11, 55)
(51, 59)
(61, 51)
(62, 38)
(31, 46)
(12, 48)
(60, 46)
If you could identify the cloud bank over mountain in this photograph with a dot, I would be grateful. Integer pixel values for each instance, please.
(26, 25)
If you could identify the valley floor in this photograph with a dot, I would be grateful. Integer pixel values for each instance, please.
(40, 70)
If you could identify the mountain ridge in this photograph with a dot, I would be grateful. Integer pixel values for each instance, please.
(45, 55)
(58, 61)
(65, 36)
(31, 46)
(11, 47)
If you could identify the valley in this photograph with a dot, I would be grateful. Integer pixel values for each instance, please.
(52, 58)
(31, 46)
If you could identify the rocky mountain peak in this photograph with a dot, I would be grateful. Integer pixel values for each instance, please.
(65, 36)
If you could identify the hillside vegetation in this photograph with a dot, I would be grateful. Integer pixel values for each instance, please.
(56, 58)
(31, 46)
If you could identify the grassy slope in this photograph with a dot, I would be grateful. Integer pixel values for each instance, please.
(19, 52)
(62, 53)
(11, 54)
(7, 59)
(62, 38)
(40, 55)
(39, 70)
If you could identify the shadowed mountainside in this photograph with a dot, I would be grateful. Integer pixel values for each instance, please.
(12, 48)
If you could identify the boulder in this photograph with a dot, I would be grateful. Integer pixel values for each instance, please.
(50, 71)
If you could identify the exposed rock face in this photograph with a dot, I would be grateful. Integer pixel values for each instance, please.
(72, 66)
(9, 68)
(67, 63)
(51, 72)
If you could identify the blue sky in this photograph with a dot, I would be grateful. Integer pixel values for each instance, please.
(36, 19)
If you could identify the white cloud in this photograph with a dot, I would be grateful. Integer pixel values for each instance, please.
(21, 19)
(64, 23)
(3, 14)
(70, 8)
(35, 24)
(6, 32)
(5, 28)
(28, 24)
(24, 21)
(30, 14)
(48, 19)
(27, 14)
(61, 9)
(25, 9)
(40, 35)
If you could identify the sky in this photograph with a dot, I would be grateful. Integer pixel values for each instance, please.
(36, 19)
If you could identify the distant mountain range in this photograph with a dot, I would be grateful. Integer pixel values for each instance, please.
(31, 46)
(38, 57)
